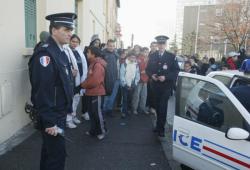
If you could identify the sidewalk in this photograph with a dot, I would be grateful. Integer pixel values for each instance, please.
(129, 145)
(167, 143)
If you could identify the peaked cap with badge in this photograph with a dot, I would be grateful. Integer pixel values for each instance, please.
(161, 39)
(63, 19)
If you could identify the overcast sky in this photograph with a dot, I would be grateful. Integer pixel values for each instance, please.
(146, 19)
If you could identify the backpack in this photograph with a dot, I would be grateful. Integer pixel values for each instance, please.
(107, 85)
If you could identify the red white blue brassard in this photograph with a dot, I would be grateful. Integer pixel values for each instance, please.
(44, 61)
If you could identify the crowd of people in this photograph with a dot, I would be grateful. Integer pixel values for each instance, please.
(115, 78)
(62, 73)
(139, 80)
(105, 77)
(232, 61)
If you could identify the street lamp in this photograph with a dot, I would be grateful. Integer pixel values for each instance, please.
(197, 29)
(225, 47)
(246, 41)
(211, 45)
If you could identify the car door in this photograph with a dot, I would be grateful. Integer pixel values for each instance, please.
(205, 110)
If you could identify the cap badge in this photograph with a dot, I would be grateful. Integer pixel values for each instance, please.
(165, 67)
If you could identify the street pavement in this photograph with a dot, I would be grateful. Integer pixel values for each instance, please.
(129, 145)
(167, 144)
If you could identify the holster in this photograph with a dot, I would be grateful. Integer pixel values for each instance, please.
(34, 116)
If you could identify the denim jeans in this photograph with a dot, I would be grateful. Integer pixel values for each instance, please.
(126, 99)
(140, 97)
(109, 100)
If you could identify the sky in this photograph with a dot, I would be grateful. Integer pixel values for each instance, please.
(146, 19)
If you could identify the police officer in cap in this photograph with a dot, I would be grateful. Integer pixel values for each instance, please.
(163, 69)
(52, 89)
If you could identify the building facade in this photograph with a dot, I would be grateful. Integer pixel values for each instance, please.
(202, 31)
(198, 24)
(180, 15)
(22, 21)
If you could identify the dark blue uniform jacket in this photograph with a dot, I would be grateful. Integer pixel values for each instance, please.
(242, 93)
(52, 84)
(165, 65)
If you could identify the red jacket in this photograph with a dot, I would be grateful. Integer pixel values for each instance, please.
(94, 84)
(142, 61)
(231, 63)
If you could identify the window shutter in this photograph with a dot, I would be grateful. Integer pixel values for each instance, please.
(30, 23)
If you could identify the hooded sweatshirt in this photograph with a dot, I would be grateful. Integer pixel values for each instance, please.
(142, 61)
(94, 84)
(231, 63)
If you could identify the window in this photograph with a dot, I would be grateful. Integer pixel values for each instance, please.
(30, 23)
(225, 80)
(240, 81)
(204, 103)
(218, 12)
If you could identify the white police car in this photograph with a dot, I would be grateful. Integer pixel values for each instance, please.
(211, 127)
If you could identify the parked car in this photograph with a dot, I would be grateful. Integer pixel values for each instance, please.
(210, 129)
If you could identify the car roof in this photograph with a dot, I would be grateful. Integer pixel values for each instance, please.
(229, 73)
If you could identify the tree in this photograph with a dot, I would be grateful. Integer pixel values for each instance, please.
(234, 22)
(188, 44)
(173, 45)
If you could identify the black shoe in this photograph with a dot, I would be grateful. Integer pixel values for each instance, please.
(161, 134)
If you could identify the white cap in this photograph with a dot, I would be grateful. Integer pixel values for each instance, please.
(233, 54)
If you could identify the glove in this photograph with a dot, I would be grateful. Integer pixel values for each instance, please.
(77, 89)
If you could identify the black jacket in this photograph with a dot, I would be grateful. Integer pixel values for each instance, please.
(165, 65)
(52, 84)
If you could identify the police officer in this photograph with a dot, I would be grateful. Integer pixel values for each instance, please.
(163, 69)
(242, 92)
(52, 89)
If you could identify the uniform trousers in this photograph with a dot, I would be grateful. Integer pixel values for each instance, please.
(53, 152)
(151, 103)
(162, 94)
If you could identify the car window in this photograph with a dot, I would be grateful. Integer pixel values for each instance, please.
(224, 79)
(240, 81)
(204, 103)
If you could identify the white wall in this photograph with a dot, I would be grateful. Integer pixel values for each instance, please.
(13, 70)
(57, 6)
(47, 7)
(93, 11)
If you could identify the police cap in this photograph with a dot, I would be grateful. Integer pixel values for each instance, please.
(161, 39)
(62, 19)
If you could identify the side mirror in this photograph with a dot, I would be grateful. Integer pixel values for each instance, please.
(237, 134)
